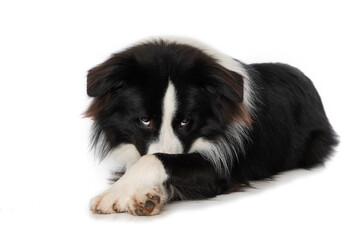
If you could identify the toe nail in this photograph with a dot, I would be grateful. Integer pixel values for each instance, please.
(139, 212)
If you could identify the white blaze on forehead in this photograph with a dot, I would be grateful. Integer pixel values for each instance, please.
(167, 142)
(224, 60)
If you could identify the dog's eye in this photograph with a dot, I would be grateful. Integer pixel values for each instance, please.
(145, 121)
(184, 123)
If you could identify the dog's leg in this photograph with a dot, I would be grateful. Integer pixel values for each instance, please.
(154, 179)
(125, 155)
(190, 176)
(140, 191)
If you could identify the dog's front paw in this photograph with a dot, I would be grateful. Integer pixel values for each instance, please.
(108, 202)
(140, 191)
(146, 203)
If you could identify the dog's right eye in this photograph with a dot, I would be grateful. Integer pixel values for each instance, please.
(145, 121)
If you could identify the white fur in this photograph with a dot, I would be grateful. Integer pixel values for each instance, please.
(125, 155)
(146, 176)
(223, 151)
(167, 142)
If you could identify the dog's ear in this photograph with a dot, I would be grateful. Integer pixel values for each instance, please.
(227, 83)
(227, 90)
(104, 77)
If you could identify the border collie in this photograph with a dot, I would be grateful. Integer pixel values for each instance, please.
(188, 122)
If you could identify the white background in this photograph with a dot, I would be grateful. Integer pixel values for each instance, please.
(48, 174)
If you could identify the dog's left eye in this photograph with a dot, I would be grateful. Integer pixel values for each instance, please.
(184, 123)
(145, 121)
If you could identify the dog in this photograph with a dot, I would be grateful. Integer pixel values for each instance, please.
(188, 122)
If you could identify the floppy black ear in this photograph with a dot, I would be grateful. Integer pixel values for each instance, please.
(104, 77)
(227, 93)
(227, 84)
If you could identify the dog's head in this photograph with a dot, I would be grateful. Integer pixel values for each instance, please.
(164, 96)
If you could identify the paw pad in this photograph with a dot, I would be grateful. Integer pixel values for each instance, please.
(150, 206)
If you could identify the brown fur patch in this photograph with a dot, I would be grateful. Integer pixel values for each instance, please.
(236, 112)
(97, 106)
(244, 115)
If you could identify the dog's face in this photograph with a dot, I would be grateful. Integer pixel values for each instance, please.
(162, 97)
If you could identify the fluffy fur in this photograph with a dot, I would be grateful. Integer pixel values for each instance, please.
(188, 122)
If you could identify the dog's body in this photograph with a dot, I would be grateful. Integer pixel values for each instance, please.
(188, 122)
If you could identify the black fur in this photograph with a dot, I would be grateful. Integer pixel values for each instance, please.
(291, 129)
(287, 129)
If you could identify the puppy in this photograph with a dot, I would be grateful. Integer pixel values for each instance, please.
(187, 122)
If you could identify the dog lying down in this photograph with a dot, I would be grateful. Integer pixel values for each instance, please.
(188, 122)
